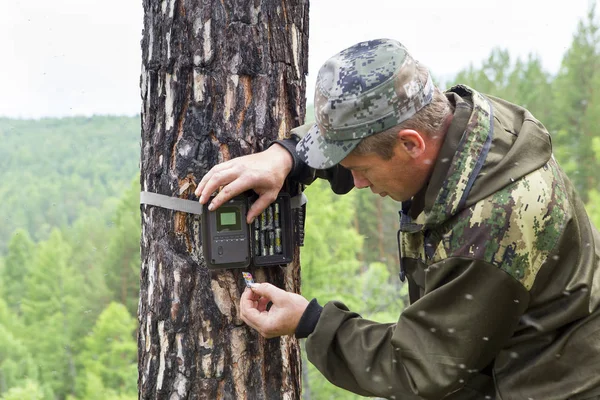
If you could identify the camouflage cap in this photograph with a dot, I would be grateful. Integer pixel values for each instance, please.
(365, 89)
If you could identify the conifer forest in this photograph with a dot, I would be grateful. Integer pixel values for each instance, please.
(70, 230)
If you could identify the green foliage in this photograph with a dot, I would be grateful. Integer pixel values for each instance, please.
(53, 305)
(87, 238)
(492, 76)
(16, 363)
(110, 355)
(71, 170)
(331, 245)
(122, 258)
(95, 390)
(329, 265)
(568, 104)
(523, 82)
(16, 268)
(383, 296)
(331, 271)
(377, 221)
(577, 102)
(54, 170)
(29, 391)
(593, 205)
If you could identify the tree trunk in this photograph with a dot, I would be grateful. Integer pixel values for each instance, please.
(220, 79)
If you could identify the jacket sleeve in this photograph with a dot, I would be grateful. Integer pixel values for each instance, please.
(340, 179)
(468, 314)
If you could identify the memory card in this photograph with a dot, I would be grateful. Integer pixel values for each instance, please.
(248, 278)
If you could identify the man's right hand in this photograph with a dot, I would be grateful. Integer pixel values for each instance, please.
(263, 172)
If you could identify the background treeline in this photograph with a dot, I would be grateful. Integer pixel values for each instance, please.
(70, 229)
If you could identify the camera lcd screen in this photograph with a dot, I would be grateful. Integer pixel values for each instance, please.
(228, 219)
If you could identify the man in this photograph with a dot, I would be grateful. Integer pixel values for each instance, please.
(502, 262)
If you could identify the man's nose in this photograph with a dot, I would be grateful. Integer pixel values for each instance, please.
(359, 181)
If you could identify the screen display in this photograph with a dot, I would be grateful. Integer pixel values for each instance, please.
(229, 219)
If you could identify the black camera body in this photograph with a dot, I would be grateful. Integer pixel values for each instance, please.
(228, 241)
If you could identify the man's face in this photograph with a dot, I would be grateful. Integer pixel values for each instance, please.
(400, 177)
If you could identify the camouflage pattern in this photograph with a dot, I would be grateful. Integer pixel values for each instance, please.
(515, 229)
(467, 162)
(365, 89)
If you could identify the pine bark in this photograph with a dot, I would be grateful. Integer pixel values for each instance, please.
(219, 79)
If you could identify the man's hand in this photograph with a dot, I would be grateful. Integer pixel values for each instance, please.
(283, 316)
(263, 172)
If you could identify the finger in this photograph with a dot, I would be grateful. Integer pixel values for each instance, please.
(207, 177)
(253, 317)
(202, 182)
(219, 179)
(270, 292)
(260, 205)
(234, 188)
(248, 301)
(249, 311)
(212, 180)
(249, 298)
(249, 318)
(262, 304)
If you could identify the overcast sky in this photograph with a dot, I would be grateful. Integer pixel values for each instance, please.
(82, 57)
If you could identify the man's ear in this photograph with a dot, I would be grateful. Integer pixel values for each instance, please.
(411, 142)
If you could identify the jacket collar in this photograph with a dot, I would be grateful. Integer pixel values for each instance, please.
(466, 145)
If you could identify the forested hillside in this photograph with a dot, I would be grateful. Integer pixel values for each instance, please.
(70, 240)
(53, 170)
(70, 230)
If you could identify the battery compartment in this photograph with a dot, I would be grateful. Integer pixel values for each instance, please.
(271, 233)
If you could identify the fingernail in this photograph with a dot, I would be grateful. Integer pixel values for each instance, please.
(201, 198)
(211, 207)
(253, 285)
(252, 220)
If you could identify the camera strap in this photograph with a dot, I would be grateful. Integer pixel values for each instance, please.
(172, 203)
(194, 206)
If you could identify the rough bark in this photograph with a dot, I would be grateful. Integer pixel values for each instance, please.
(220, 79)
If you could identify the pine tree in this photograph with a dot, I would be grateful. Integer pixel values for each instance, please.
(492, 77)
(88, 238)
(16, 363)
(529, 86)
(16, 268)
(52, 308)
(121, 261)
(109, 356)
(577, 102)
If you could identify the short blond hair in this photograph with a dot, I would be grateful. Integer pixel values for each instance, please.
(429, 121)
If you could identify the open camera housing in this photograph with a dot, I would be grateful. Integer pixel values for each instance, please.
(228, 241)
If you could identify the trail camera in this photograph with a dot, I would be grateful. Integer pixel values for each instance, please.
(229, 242)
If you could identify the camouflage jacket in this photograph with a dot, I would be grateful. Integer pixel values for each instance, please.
(503, 267)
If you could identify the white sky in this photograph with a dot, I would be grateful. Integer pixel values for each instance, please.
(82, 57)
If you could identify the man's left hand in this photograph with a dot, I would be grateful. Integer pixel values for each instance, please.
(282, 317)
